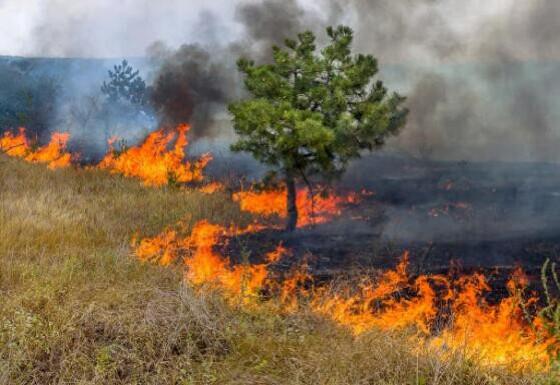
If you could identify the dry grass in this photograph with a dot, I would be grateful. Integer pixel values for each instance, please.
(76, 308)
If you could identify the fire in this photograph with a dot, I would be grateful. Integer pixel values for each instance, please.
(319, 209)
(53, 154)
(154, 162)
(204, 265)
(497, 333)
(444, 314)
(378, 305)
(447, 315)
(15, 145)
(212, 188)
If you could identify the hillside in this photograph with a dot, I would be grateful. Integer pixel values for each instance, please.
(78, 307)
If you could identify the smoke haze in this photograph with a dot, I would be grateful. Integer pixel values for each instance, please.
(482, 77)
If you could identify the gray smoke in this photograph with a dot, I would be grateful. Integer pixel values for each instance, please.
(484, 90)
(482, 77)
(490, 93)
(269, 23)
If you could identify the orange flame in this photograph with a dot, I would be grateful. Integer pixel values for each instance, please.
(319, 209)
(53, 154)
(496, 334)
(499, 333)
(378, 305)
(205, 266)
(212, 188)
(15, 145)
(154, 163)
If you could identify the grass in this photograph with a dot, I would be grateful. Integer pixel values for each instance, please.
(77, 308)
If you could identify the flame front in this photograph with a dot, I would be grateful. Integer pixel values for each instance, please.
(53, 154)
(154, 162)
(15, 145)
(495, 334)
(205, 266)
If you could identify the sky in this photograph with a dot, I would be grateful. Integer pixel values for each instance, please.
(108, 28)
(104, 28)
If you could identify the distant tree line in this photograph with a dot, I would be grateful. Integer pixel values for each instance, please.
(26, 99)
(40, 95)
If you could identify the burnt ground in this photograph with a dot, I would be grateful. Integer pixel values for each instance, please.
(487, 217)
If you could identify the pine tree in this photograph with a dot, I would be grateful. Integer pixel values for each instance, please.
(125, 84)
(311, 112)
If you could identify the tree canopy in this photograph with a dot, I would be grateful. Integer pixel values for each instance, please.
(311, 111)
(125, 84)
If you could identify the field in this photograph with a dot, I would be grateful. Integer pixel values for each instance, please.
(77, 307)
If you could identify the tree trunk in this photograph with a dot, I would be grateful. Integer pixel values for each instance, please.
(291, 220)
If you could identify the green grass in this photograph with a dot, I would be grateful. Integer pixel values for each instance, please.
(77, 308)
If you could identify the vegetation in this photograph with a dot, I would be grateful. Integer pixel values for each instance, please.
(124, 102)
(551, 312)
(311, 113)
(78, 308)
(125, 85)
(27, 99)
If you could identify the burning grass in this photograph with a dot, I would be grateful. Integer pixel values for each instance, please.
(159, 160)
(53, 154)
(154, 162)
(322, 207)
(77, 308)
(497, 335)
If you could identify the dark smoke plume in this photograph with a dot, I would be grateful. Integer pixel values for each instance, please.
(195, 82)
(269, 23)
(191, 86)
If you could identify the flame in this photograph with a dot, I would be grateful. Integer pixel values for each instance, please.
(447, 315)
(53, 154)
(15, 145)
(204, 265)
(495, 334)
(162, 249)
(211, 188)
(319, 209)
(443, 314)
(379, 305)
(154, 162)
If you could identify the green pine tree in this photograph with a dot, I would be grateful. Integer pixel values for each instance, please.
(311, 112)
(125, 84)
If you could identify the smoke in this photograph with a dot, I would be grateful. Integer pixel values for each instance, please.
(479, 79)
(195, 82)
(192, 85)
(482, 77)
(269, 23)
(98, 28)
